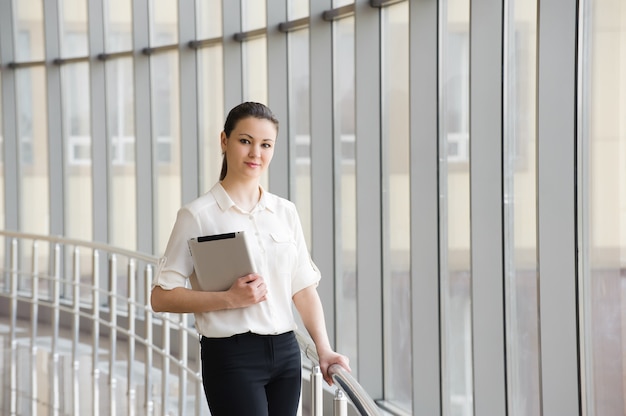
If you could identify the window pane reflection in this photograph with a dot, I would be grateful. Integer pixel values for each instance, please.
(29, 30)
(253, 14)
(255, 70)
(297, 9)
(33, 150)
(165, 144)
(299, 125)
(603, 210)
(77, 141)
(339, 3)
(455, 212)
(163, 22)
(74, 28)
(397, 217)
(121, 143)
(211, 114)
(118, 25)
(208, 19)
(520, 213)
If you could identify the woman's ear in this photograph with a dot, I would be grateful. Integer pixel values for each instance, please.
(223, 142)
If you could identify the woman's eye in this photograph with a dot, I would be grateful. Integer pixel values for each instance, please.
(267, 145)
(244, 141)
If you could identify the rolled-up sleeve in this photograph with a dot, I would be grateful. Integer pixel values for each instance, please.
(176, 264)
(306, 272)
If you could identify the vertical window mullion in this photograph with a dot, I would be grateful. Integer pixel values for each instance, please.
(369, 195)
(10, 128)
(188, 81)
(424, 105)
(56, 214)
(321, 158)
(556, 197)
(486, 219)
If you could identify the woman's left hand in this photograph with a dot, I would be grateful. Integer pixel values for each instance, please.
(328, 358)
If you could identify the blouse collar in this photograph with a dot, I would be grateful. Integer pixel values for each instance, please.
(225, 202)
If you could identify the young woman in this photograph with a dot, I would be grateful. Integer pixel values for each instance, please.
(250, 356)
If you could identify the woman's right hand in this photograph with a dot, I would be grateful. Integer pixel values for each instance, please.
(248, 290)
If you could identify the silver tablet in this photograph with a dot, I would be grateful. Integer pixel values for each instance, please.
(220, 259)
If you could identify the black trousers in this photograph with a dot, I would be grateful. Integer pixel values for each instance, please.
(252, 375)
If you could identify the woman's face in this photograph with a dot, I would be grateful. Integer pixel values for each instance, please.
(250, 148)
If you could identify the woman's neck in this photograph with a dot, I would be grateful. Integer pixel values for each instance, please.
(244, 194)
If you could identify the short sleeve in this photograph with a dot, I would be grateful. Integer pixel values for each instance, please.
(176, 265)
(306, 272)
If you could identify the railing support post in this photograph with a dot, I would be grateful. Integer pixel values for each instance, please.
(131, 390)
(34, 319)
(340, 404)
(13, 339)
(76, 332)
(113, 332)
(95, 296)
(317, 398)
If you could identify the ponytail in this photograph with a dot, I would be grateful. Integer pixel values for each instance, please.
(224, 168)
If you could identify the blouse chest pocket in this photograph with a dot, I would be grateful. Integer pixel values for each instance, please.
(284, 252)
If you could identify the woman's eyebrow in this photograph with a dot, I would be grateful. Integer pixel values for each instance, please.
(253, 138)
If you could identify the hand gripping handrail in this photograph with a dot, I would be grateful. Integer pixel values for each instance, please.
(355, 392)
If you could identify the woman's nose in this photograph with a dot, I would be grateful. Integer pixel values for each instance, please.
(254, 151)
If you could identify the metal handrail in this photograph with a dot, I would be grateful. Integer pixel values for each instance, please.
(114, 312)
(342, 378)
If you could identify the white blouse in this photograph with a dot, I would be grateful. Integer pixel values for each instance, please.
(278, 249)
